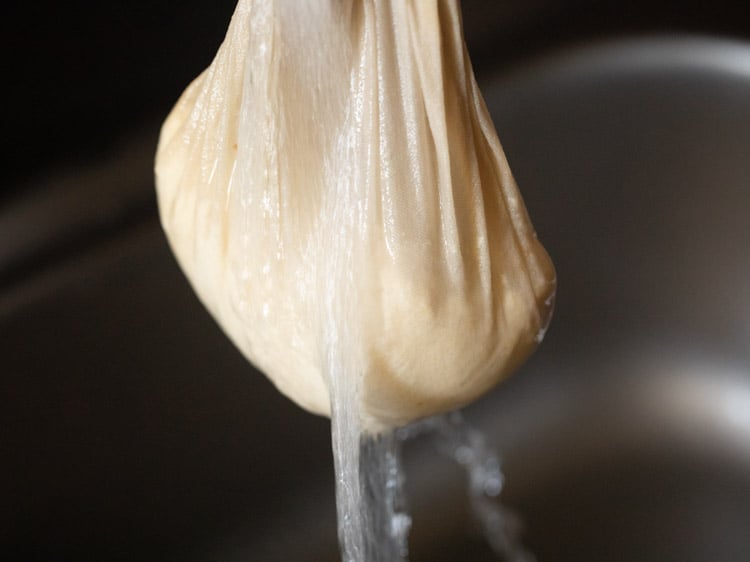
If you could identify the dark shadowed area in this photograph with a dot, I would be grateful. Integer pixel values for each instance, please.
(130, 429)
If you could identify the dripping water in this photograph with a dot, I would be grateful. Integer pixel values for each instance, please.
(373, 520)
(467, 445)
(372, 517)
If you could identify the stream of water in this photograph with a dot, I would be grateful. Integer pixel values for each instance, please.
(373, 519)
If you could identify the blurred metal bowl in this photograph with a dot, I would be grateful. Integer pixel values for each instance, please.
(628, 436)
(135, 431)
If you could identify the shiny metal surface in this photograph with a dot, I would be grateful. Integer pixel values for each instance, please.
(135, 431)
(628, 436)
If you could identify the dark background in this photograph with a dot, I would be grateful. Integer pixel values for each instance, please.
(79, 74)
(115, 444)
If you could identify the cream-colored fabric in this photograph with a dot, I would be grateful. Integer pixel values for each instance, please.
(334, 189)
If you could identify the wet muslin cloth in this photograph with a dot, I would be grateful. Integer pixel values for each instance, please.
(334, 189)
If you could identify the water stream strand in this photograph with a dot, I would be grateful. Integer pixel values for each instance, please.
(382, 480)
(370, 502)
(458, 440)
(373, 522)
